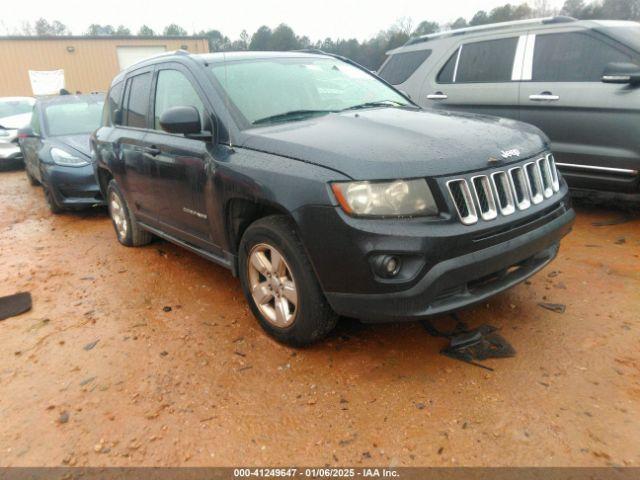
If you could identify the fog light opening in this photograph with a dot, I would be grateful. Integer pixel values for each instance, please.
(388, 266)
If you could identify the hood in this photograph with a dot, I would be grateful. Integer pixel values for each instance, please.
(389, 143)
(15, 121)
(79, 143)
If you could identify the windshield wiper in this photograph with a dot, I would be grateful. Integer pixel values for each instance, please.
(291, 115)
(381, 103)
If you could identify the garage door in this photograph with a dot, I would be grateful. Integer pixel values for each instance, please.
(127, 56)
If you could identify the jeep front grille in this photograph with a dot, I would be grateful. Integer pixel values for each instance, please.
(502, 192)
(463, 201)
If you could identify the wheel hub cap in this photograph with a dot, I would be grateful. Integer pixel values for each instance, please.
(272, 285)
(117, 215)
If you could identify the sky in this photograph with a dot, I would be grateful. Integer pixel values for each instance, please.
(316, 19)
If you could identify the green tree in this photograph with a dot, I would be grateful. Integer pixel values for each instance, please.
(283, 39)
(122, 30)
(174, 30)
(426, 27)
(620, 9)
(459, 23)
(146, 31)
(261, 39)
(480, 18)
(217, 41)
(43, 28)
(97, 29)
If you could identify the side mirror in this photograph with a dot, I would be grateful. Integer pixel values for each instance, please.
(184, 120)
(117, 117)
(625, 73)
(27, 132)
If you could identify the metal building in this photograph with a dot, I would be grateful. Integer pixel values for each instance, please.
(89, 62)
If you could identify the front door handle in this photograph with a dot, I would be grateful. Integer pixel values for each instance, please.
(437, 96)
(544, 97)
(152, 151)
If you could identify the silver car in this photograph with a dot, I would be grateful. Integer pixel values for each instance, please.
(15, 113)
(578, 81)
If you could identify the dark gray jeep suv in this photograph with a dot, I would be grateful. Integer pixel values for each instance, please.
(324, 189)
(578, 81)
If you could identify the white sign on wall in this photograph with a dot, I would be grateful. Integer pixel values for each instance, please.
(46, 82)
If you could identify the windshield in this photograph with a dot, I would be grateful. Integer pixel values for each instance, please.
(73, 118)
(629, 36)
(9, 108)
(274, 87)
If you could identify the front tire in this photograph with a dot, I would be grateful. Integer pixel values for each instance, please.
(32, 180)
(54, 206)
(128, 232)
(280, 285)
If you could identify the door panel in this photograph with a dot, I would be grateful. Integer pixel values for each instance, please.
(477, 78)
(181, 165)
(31, 146)
(593, 126)
(140, 173)
(185, 165)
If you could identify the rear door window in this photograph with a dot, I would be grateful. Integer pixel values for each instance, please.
(488, 61)
(402, 65)
(137, 104)
(573, 57)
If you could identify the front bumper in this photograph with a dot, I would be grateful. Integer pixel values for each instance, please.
(72, 187)
(10, 153)
(455, 266)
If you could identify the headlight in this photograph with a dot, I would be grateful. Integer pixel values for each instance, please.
(66, 159)
(399, 198)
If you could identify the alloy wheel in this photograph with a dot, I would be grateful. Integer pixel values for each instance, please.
(273, 287)
(116, 209)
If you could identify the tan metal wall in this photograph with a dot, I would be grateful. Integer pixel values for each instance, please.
(90, 67)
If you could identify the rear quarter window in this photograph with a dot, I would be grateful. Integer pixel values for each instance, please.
(113, 103)
(402, 65)
(446, 74)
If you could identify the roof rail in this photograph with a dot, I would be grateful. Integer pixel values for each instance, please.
(312, 50)
(159, 55)
(490, 26)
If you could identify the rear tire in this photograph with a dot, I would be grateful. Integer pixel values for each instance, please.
(128, 232)
(280, 285)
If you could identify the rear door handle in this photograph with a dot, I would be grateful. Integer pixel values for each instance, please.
(544, 97)
(437, 96)
(152, 151)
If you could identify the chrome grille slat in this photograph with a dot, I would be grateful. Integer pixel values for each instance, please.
(463, 201)
(534, 181)
(504, 191)
(504, 194)
(484, 197)
(545, 175)
(555, 180)
(520, 188)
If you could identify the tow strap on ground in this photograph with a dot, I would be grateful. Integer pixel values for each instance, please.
(13, 305)
(470, 345)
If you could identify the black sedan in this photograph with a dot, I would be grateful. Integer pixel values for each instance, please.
(56, 152)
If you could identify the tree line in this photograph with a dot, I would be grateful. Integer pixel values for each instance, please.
(369, 53)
